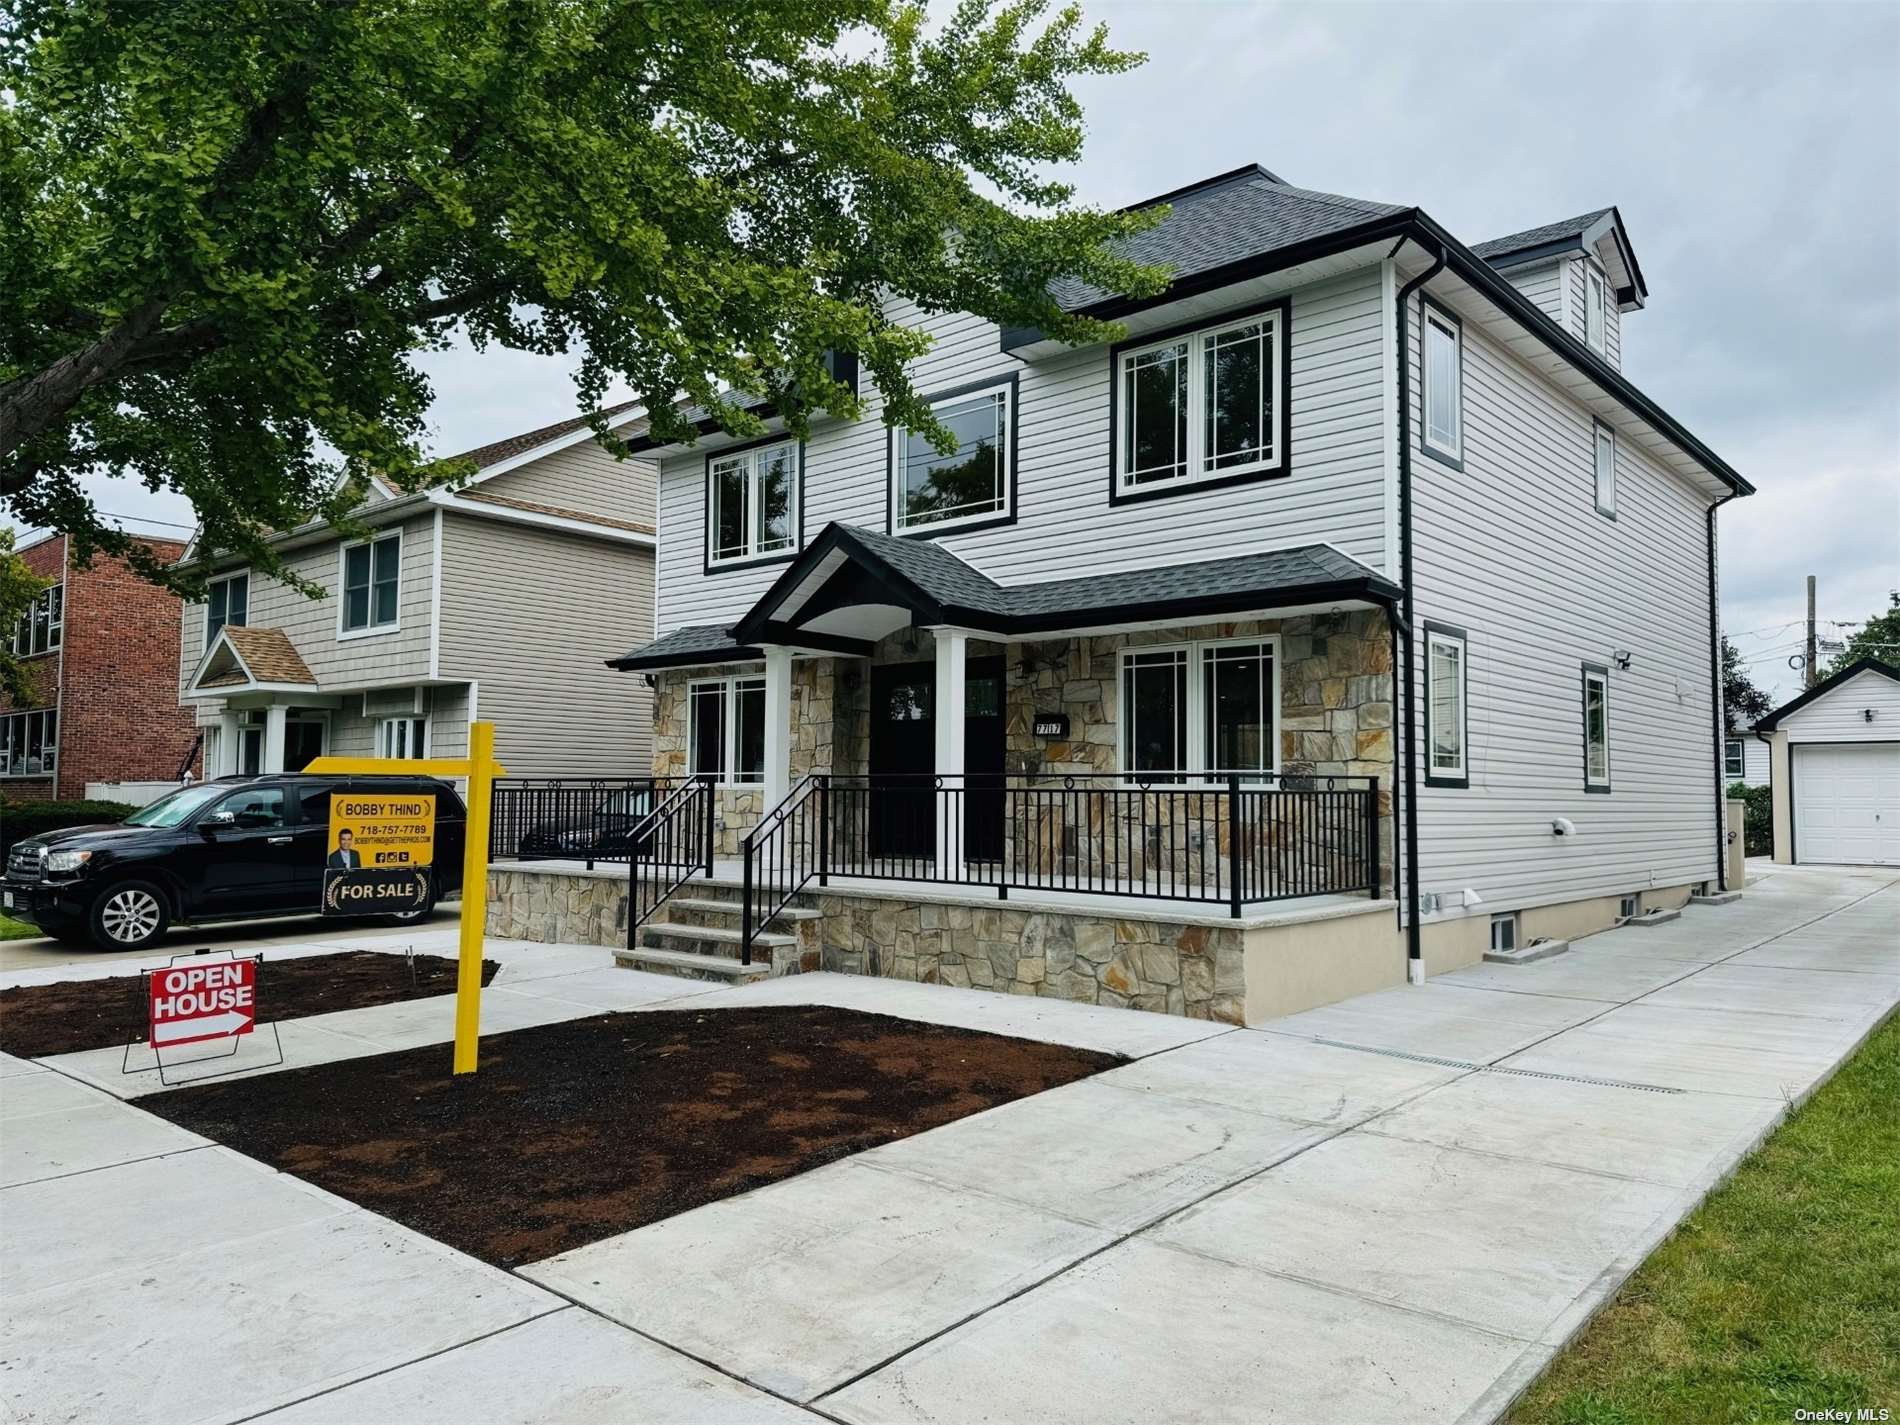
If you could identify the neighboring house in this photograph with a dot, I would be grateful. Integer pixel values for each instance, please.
(1834, 762)
(100, 645)
(1133, 634)
(1745, 760)
(496, 600)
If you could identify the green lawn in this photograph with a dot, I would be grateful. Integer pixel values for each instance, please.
(11, 929)
(1781, 1292)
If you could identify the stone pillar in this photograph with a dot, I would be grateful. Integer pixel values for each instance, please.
(952, 680)
(274, 718)
(778, 724)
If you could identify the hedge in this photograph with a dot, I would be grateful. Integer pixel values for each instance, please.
(1758, 821)
(19, 820)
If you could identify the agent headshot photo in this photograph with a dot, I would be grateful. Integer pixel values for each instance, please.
(346, 857)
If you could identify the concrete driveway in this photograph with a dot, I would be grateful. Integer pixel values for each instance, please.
(1393, 1209)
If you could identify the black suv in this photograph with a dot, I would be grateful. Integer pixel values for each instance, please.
(232, 849)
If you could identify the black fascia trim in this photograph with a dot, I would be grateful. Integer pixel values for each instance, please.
(1583, 687)
(687, 658)
(1824, 687)
(835, 537)
(728, 566)
(1438, 779)
(1282, 307)
(1638, 288)
(1597, 427)
(946, 529)
(1430, 307)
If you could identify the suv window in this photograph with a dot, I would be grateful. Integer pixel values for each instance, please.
(256, 806)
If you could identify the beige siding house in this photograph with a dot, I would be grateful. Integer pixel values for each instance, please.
(498, 600)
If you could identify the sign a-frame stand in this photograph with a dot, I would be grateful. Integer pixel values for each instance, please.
(480, 769)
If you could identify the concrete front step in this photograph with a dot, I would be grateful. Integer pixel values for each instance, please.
(718, 968)
(713, 940)
(709, 906)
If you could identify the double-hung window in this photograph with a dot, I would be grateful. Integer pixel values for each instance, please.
(372, 583)
(1603, 458)
(1441, 391)
(1594, 297)
(1446, 719)
(1596, 728)
(29, 743)
(725, 729)
(1201, 710)
(1202, 407)
(1734, 762)
(42, 626)
(402, 737)
(753, 496)
(227, 601)
(930, 489)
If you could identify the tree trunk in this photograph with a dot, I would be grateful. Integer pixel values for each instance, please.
(33, 403)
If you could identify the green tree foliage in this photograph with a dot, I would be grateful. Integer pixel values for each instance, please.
(1742, 702)
(1879, 637)
(232, 225)
(18, 585)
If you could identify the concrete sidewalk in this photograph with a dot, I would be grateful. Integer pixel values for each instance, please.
(1392, 1209)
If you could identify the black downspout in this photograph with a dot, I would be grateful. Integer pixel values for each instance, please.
(1414, 956)
(1721, 708)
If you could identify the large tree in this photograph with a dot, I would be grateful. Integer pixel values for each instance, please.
(1743, 704)
(232, 225)
(1878, 637)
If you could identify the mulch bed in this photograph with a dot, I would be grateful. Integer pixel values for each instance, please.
(574, 1132)
(64, 1018)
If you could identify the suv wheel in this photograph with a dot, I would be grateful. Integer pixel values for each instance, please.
(128, 916)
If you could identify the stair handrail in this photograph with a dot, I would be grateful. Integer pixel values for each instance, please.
(680, 830)
(771, 843)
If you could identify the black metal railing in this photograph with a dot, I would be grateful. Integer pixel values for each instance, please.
(570, 819)
(672, 844)
(1231, 841)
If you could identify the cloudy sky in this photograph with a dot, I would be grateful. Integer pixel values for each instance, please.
(1755, 154)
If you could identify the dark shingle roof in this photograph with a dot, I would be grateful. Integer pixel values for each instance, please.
(1538, 237)
(506, 449)
(1245, 575)
(1237, 216)
(697, 643)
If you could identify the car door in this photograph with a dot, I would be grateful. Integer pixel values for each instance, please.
(249, 854)
(310, 841)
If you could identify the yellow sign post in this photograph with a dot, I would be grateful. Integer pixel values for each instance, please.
(481, 769)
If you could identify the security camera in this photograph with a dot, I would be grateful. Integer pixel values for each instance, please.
(1562, 826)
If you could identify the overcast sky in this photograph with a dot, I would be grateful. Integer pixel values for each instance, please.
(1754, 152)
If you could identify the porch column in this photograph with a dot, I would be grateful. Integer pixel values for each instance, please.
(778, 724)
(227, 746)
(274, 717)
(952, 673)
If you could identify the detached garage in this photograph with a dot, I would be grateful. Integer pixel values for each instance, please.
(1834, 764)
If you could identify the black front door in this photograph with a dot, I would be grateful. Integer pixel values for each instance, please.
(903, 756)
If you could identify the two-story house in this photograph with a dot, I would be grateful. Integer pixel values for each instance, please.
(99, 646)
(1119, 669)
(495, 600)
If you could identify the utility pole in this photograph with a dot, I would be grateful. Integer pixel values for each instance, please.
(1808, 669)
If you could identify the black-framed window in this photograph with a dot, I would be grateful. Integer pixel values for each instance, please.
(752, 502)
(1596, 728)
(973, 484)
(1201, 406)
(1603, 467)
(42, 624)
(227, 601)
(1447, 715)
(1442, 384)
(29, 743)
(725, 729)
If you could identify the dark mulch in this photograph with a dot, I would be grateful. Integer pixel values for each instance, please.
(64, 1018)
(574, 1132)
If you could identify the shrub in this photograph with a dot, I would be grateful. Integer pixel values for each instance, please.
(19, 820)
(1758, 821)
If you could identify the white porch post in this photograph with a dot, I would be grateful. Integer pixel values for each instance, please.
(228, 752)
(274, 717)
(778, 724)
(952, 677)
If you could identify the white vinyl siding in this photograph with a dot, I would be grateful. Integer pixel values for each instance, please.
(1841, 715)
(1577, 274)
(583, 478)
(1335, 491)
(1542, 282)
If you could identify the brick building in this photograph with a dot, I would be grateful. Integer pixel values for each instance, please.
(101, 646)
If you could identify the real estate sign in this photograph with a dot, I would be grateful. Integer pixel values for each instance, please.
(380, 848)
(192, 1003)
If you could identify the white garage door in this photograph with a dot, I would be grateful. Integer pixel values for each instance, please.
(1847, 803)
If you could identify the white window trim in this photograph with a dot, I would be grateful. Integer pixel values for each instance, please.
(1505, 920)
(794, 506)
(729, 729)
(1196, 773)
(1006, 476)
(1455, 449)
(1598, 482)
(210, 584)
(1590, 780)
(20, 718)
(369, 630)
(1740, 758)
(1595, 316)
(1435, 639)
(1196, 453)
(383, 726)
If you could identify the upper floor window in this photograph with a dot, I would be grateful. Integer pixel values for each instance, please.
(227, 600)
(1441, 393)
(1445, 714)
(1604, 462)
(1204, 407)
(930, 489)
(1596, 728)
(1595, 296)
(725, 729)
(753, 496)
(1204, 709)
(42, 626)
(1734, 763)
(372, 583)
(29, 743)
